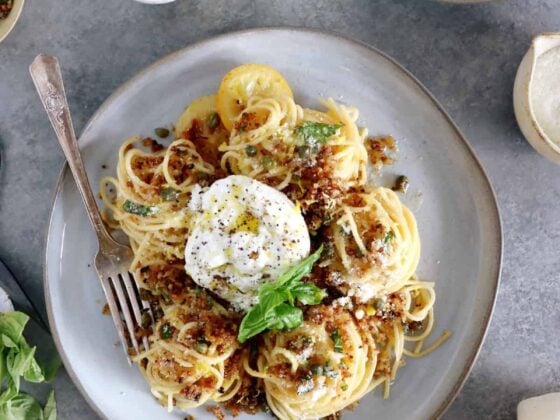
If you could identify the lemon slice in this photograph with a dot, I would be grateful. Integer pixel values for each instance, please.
(246, 81)
(199, 109)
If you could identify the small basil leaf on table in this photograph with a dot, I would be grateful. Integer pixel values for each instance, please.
(49, 413)
(17, 360)
(12, 325)
(21, 407)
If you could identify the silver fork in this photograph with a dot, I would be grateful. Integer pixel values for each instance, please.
(112, 260)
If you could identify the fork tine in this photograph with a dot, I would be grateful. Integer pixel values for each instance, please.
(115, 314)
(125, 310)
(134, 298)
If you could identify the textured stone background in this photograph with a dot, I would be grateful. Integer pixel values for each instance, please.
(466, 55)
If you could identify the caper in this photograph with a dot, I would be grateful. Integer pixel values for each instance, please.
(145, 294)
(303, 151)
(317, 370)
(401, 184)
(251, 150)
(146, 319)
(162, 132)
(379, 303)
(201, 347)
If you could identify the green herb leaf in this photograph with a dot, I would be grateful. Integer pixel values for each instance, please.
(9, 393)
(33, 373)
(21, 407)
(287, 317)
(169, 194)
(7, 342)
(12, 325)
(337, 340)
(213, 120)
(268, 162)
(388, 238)
(298, 271)
(49, 412)
(139, 209)
(272, 311)
(166, 331)
(313, 133)
(308, 293)
(3, 369)
(21, 363)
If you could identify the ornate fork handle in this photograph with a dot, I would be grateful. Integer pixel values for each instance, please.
(45, 72)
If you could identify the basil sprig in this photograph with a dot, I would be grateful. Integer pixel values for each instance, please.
(276, 309)
(18, 363)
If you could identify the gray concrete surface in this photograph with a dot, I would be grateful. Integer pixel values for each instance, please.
(466, 55)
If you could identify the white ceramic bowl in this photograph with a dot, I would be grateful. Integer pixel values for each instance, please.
(6, 25)
(458, 219)
(523, 108)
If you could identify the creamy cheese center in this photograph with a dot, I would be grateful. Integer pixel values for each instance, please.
(244, 233)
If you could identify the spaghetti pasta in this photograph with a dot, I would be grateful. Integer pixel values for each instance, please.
(374, 310)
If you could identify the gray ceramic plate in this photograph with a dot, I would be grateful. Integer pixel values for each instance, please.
(458, 217)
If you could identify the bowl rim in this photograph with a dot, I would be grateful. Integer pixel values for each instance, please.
(497, 247)
(10, 21)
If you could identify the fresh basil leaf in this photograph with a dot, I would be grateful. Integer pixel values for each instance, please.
(308, 293)
(34, 373)
(268, 301)
(20, 362)
(8, 342)
(287, 317)
(272, 312)
(139, 209)
(9, 393)
(21, 407)
(313, 133)
(3, 370)
(12, 325)
(14, 371)
(254, 322)
(49, 412)
(300, 270)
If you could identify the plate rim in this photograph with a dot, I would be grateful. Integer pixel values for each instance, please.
(496, 247)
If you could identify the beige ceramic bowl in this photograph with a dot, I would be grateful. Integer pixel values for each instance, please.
(6, 25)
(522, 105)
